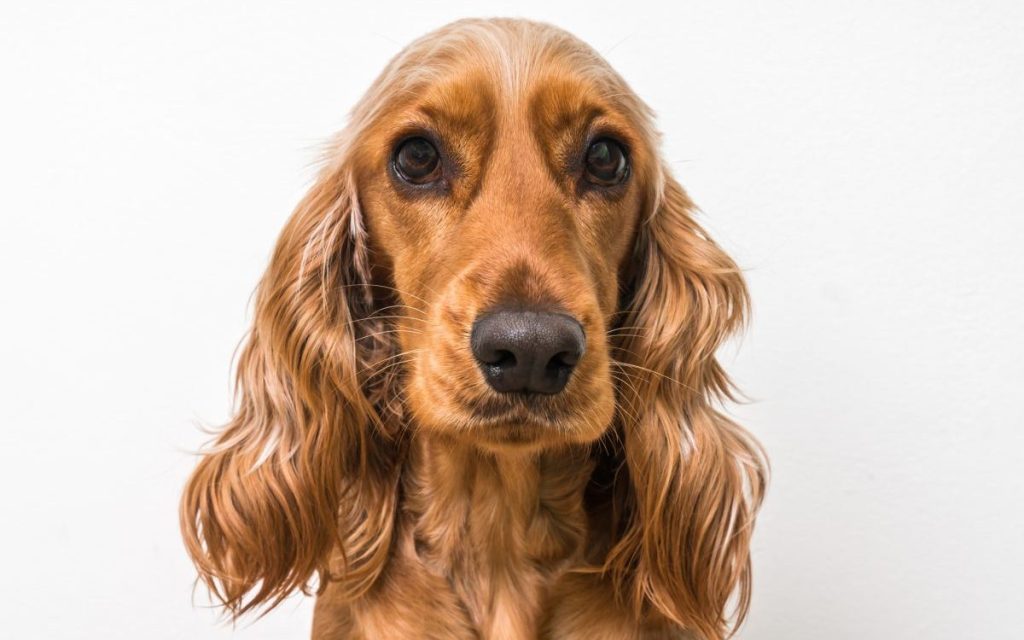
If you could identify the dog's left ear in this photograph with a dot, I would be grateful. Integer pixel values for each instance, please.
(695, 478)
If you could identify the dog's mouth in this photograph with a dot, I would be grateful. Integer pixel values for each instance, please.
(520, 421)
(523, 419)
(511, 407)
(445, 403)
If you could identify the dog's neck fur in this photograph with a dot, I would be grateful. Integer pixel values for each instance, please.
(498, 526)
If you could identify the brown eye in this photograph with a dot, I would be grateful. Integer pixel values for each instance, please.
(417, 161)
(606, 163)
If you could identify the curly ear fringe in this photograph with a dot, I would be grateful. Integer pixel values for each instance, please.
(260, 514)
(696, 479)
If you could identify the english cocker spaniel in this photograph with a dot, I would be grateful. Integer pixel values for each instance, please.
(478, 399)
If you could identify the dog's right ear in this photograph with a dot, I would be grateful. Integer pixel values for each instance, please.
(304, 465)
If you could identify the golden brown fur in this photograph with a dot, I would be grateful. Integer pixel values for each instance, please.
(368, 452)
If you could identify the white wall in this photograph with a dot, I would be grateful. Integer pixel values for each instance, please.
(863, 160)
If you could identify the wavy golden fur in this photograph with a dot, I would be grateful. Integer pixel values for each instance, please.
(369, 457)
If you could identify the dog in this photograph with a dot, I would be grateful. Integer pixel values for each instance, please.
(480, 397)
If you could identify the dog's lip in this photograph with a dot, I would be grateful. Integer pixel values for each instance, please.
(505, 408)
(511, 417)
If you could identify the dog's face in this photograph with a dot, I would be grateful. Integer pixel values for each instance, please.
(502, 209)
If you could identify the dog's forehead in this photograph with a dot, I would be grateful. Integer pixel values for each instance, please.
(473, 85)
(547, 96)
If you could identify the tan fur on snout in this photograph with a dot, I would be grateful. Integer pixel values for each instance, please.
(369, 450)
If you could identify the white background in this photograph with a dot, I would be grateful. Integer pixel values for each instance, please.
(862, 160)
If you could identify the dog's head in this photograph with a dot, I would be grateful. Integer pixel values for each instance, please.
(501, 177)
(493, 251)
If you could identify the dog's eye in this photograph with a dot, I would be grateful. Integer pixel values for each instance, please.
(417, 161)
(606, 163)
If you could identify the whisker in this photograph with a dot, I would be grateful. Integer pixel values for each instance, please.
(621, 377)
(629, 407)
(390, 317)
(387, 288)
(653, 372)
(620, 313)
(625, 328)
(629, 351)
(408, 352)
(399, 396)
(377, 371)
(627, 335)
(398, 306)
(387, 331)
(379, 366)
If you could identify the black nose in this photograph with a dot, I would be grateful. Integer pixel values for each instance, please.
(527, 351)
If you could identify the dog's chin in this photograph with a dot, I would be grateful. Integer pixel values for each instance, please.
(512, 422)
(514, 434)
(524, 432)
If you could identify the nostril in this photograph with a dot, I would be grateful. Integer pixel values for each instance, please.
(569, 358)
(565, 360)
(503, 359)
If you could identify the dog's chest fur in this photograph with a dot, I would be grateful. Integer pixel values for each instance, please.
(486, 549)
(500, 530)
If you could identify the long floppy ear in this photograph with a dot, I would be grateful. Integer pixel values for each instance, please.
(305, 465)
(695, 479)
